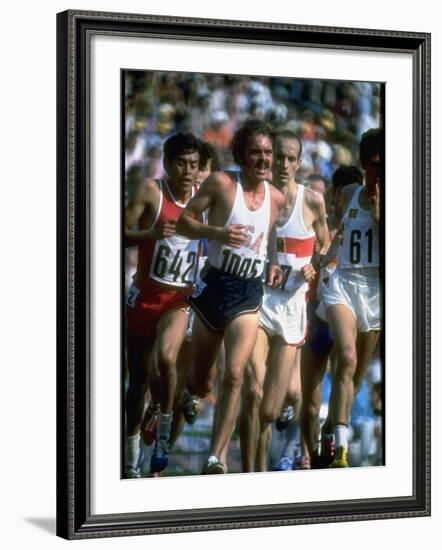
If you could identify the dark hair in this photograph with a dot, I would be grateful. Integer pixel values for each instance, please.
(345, 175)
(133, 177)
(208, 152)
(252, 127)
(288, 134)
(178, 144)
(372, 143)
(315, 177)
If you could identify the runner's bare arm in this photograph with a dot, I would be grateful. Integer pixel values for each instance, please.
(315, 202)
(332, 252)
(275, 274)
(277, 202)
(189, 224)
(320, 223)
(272, 251)
(375, 204)
(308, 272)
(144, 202)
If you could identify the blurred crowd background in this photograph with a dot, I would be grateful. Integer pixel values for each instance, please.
(329, 118)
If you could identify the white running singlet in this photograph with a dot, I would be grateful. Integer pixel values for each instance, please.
(173, 260)
(360, 243)
(295, 247)
(248, 261)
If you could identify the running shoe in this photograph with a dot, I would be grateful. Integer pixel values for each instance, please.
(304, 463)
(328, 450)
(149, 425)
(340, 458)
(316, 461)
(285, 464)
(134, 472)
(190, 407)
(284, 418)
(160, 456)
(297, 456)
(213, 466)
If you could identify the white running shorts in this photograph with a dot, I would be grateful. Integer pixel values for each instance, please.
(359, 293)
(284, 314)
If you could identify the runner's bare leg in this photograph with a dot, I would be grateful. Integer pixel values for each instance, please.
(313, 367)
(184, 365)
(205, 346)
(138, 353)
(342, 324)
(280, 366)
(251, 401)
(365, 345)
(239, 338)
(171, 330)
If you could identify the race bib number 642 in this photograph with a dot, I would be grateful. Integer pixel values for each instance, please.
(176, 267)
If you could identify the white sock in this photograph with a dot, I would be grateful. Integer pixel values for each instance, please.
(164, 425)
(341, 436)
(292, 435)
(132, 449)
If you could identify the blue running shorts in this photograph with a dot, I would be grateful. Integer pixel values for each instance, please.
(219, 297)
(319, 338)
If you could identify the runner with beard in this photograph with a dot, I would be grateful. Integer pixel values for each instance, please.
(283, 316)
(242, 209)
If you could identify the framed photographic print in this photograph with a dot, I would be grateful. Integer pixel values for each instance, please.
(243, 274)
